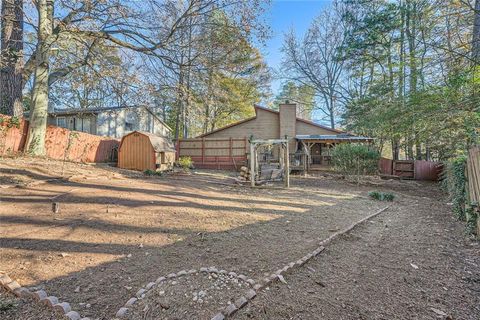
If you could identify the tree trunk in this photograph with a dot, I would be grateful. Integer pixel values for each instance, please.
(476, 34)
(395, 149)
(11, 58)
(39, 113)
(418, 150)
(332, 111)
(428, 156)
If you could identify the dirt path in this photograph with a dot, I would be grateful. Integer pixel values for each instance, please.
(118, 230)
(412, 262)
(116, 233)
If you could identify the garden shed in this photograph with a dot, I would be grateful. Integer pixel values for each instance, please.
(145, 151)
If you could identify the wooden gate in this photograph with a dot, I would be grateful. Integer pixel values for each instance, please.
(411, 169)
(226, 153)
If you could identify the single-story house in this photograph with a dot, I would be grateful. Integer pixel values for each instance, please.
(113, 122)
(308, 140)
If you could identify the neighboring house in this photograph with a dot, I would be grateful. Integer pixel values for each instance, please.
(306, 137)
(113, 122)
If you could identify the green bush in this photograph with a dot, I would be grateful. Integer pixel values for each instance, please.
(355, 159)
(185, 162)
(382, 196)
(149, 172)
(454, 182)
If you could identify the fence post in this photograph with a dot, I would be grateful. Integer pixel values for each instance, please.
(177, 155)
(230, 151)
(203, 150)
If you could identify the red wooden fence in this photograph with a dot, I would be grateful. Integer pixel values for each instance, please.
(227, 153)
(60, 143)
(411, 169)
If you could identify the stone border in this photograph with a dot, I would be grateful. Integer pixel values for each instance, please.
(123, 311)
(41, 296)
(278, 275)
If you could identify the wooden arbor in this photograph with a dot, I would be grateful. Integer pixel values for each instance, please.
(284, 157)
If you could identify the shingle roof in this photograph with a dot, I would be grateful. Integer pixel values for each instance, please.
(159, 143)
(342, 136)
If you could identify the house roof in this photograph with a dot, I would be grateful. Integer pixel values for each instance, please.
(66, 112)
(159, 143)
(336, 137)
(257, 107)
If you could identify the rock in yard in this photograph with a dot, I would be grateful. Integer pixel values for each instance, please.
(73, 315)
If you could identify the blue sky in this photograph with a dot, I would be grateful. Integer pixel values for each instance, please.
(283, 16)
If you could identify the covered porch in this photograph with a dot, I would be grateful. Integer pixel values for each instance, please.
(314, 151)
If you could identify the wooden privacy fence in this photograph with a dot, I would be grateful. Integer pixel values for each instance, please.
(227, 154)
(473, 175)
(60, 143)
(411, 169)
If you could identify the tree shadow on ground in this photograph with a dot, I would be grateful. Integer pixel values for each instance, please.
(253, 248)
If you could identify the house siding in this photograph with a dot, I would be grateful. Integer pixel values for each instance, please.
(114, 123)
(307, 128)
(265, 126)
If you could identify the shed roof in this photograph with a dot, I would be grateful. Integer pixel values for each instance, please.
(159, 143)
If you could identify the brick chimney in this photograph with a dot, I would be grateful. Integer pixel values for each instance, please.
(288, 120)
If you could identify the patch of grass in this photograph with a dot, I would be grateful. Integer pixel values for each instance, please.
(381, 196)
(149, 172)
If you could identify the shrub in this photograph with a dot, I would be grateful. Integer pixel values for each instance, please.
(149, 172)
(355, 159)
(382, 196)
(185, 162)
(454, 181)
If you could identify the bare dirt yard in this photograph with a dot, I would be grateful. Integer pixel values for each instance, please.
(117, 230)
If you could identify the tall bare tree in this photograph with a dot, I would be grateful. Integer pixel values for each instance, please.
(315, 61)
(11, 58)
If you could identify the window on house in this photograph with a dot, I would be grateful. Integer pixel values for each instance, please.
(128, 126)
(71, 123)
(131, 121)
(61, 122)
(86, 125)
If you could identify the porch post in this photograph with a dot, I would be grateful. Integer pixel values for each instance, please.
(287, 166)
(252, 164)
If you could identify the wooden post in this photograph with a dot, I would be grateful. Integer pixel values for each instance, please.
(230, 150)
(203, 150)
(177, 156)
(252, 164)
(304, 158)
(287, 166)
